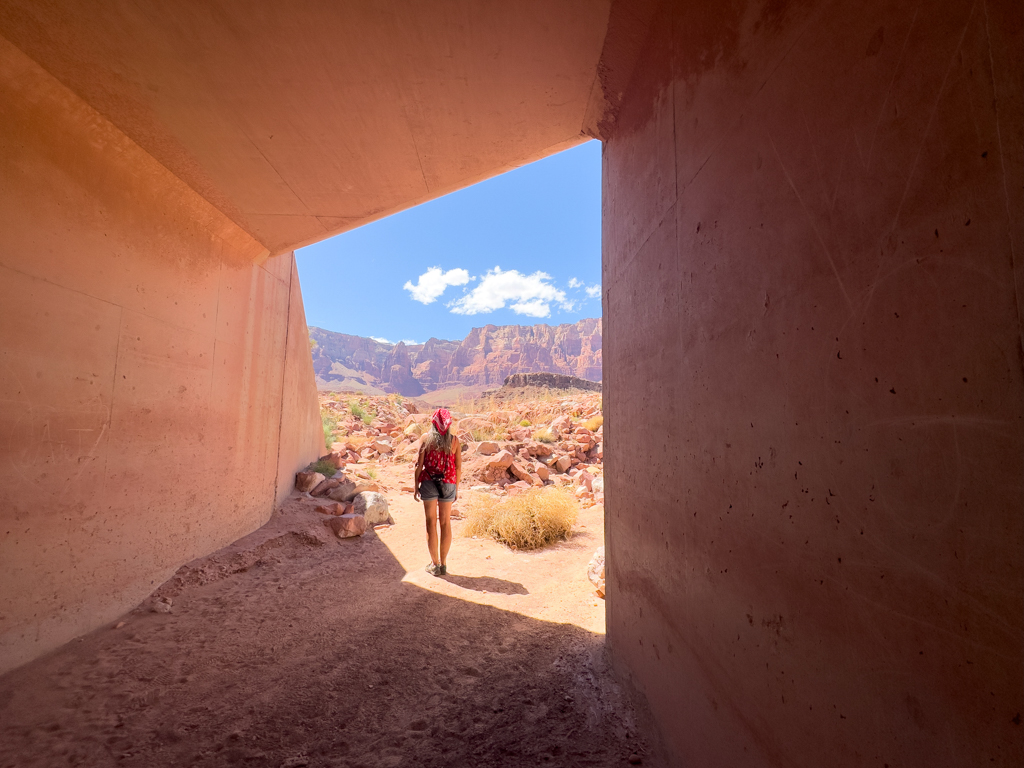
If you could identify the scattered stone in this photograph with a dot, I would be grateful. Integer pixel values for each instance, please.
(161, 605)
(595, 571)
(542, 472)
(373, 506)
(307, 481)
(539, 449)
(346, 492)
(120, 624)
(347, 526)
(325, 486)
(519, 472)
(382, 446)
(488, 448)
(337, 458)
(563, 463)
(296, 762)
(635, 759)
(503, 460)
(331, 509)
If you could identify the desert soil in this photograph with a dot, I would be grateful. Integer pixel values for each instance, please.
(294, 648)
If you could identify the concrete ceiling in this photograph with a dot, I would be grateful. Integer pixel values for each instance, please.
(302, 119)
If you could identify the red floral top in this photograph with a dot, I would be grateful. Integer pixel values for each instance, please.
(438, 463)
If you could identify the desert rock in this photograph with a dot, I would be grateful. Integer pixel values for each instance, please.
(373, 506)
(307, 481)
(347, 526)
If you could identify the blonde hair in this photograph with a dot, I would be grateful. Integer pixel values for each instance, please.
(435, 441)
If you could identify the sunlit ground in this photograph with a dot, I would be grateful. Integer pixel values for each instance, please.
(549, 584)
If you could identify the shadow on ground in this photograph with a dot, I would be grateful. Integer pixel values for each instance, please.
(294, 649)
(486, 584)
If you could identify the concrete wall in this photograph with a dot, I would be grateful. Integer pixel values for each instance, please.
(813, 375)
(144, 379)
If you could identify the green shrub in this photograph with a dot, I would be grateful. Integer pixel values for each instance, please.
(524, 423)
(359, 412)
(330, 422)
(324, 466)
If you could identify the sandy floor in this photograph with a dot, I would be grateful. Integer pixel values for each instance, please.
(292, 648)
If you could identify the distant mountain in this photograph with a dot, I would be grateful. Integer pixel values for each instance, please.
(483, 359)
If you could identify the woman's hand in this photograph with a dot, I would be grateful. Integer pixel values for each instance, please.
(415, 491)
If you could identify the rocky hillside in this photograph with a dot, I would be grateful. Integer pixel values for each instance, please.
(483, 359)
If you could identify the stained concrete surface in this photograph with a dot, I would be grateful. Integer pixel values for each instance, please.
(812, 237)
(303, 120)
(144, 375)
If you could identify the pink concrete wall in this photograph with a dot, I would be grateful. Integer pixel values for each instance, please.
(143, 371)
(812, 250)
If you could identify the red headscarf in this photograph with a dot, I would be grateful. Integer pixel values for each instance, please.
(442, 419)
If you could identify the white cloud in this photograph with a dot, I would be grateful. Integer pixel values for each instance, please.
(433, 282)
(382, 340)
(530, 295)
(574, 283)
(594, 291)
(410, 342)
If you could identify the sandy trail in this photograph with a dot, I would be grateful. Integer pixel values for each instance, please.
(292, 648)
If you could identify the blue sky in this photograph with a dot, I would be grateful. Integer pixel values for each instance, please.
(518, 249)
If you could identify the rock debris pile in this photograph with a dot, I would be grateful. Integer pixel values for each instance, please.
(506, 450)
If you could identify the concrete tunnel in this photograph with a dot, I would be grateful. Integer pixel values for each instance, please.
(813, 228)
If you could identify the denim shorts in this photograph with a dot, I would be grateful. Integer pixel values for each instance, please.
(437, 489)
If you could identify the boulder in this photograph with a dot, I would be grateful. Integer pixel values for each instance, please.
(307, 481)
(343, 492)
(539, 449)
(542, 472)
(337, 458)
(488, 448)
(325, 486)
(373, 506)
(548, 461)
(562, 463)
(502, 460)
(598, 485)
(331, 509)
(595, 571)
(521, 473)
(347, 526)
(382, 446)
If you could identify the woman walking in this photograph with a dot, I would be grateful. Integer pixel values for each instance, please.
(436, 482)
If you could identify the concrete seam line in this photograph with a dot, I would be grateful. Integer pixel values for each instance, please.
(284, 375)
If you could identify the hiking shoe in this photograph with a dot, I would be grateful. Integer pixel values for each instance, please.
(443, 571)
(433, 570)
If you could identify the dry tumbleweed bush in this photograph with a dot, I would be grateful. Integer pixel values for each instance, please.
(528, 520)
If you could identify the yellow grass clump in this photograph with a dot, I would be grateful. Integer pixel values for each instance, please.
(544, 435)
(594, 423)
(528, 520)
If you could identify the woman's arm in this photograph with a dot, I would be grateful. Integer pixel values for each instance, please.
(458, 460)
(416, 474)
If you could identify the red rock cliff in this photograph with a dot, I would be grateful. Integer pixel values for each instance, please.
(484, 358)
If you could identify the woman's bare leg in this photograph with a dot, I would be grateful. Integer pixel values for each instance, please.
(444, 515)
(430, 510)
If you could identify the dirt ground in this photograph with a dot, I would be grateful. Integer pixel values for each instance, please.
(293, 648)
